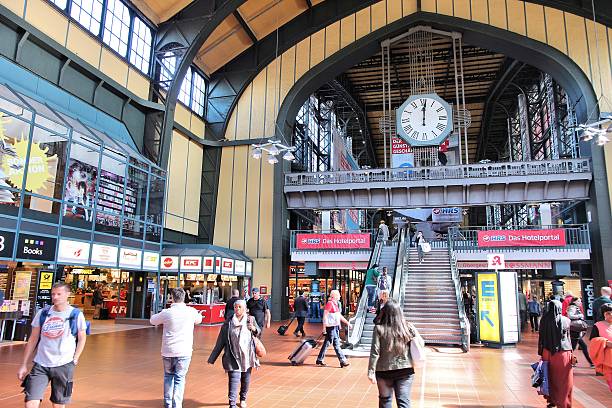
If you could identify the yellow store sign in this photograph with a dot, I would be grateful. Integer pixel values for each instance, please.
(488, 307)
(46, 280)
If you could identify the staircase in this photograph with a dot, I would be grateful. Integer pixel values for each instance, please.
(387, 258)
(430, 301)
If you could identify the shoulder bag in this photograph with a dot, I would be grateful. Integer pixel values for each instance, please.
(260, 350)
(578, 325)
(417, 349)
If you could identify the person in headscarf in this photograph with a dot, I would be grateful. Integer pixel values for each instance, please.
(555, 346)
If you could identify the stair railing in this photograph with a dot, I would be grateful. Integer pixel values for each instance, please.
(463, 319)
(357, 322)
(397, 286)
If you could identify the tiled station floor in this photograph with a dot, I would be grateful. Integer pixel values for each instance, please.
(123, 369)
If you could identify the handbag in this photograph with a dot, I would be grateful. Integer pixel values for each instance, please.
(426, 247)
(578, 325)
(539, 379)
(260, 350)
(417, 350)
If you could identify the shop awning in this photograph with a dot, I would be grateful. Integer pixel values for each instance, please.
(205, 258)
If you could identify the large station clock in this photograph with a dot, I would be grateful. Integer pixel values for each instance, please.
(424, 120)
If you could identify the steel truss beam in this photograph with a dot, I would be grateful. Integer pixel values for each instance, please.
(184, 35)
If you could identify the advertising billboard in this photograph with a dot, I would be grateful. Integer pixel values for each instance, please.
(488, 307)
(332, 241)
(520, 238)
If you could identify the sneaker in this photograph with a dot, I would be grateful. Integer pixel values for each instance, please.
(243, 404)
(296, 335)
(322, 364)
(345, 364)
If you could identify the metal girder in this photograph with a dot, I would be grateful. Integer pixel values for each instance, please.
(245, 26)
(506, 76)
(357, 107)
(184, 35)
(227, 84)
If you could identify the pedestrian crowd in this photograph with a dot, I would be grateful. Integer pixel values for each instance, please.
(59, 336)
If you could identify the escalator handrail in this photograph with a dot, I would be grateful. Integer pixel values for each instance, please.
(463, 320)
(400, 257)
(357, 322)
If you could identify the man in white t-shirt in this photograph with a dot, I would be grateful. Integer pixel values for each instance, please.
(177, 345)
(57, 353)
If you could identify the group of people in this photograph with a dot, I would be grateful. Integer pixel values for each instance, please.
(560, 330)
(377, 280)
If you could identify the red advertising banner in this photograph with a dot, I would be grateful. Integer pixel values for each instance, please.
(398, 146)
(515, 238)
(333, 241)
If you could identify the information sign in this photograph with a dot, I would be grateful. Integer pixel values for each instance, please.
(496, 261)
(43, 289)
(488, 307)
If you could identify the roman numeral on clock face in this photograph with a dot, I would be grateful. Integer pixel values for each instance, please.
(440, 126)
(414, 104)
(407, 128)
(441, 118)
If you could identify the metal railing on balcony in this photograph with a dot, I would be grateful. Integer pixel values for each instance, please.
(470, 171)
(465, 239)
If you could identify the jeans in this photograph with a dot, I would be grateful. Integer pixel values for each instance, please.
(332, 336)
(175, 370)
(300, 325)
(585, 350)
(401, 386)
(420, 252)
(371, 294)
(535, 321)
(238, 379)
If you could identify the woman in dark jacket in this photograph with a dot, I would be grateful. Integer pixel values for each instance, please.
(239, 358)
(390, 365)
(576, 317)
(555, 346)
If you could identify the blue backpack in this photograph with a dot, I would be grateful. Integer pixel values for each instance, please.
(74, 315)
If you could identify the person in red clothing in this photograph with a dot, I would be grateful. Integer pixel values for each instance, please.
(566, 302)
(332, 320)
(555, 346)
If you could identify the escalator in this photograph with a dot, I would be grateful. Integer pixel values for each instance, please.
(394, 257)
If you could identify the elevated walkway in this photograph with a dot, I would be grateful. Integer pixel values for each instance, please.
(466, 185)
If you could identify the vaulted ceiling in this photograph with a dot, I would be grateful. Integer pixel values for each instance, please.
(254, 20)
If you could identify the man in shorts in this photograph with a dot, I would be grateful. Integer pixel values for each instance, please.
(57, 351)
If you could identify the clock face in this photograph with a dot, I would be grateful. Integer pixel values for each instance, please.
(424, 120)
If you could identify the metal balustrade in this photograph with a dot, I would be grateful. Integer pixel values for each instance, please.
(469, 171)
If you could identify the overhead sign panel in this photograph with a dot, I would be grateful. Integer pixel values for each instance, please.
(130, 258)
(333, 241)
(104, 255)
(521, 238)
(70, 252)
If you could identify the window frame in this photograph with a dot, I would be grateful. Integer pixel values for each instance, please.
(134, 12)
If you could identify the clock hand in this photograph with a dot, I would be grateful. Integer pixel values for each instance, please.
(423, 115)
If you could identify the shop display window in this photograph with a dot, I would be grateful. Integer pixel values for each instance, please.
(61, 170)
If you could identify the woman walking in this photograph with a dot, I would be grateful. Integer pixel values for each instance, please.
(601, 344)
(391, 367)
(419, 241)
(332, 320)
(578, 328)
(238, 346)
(555, 346)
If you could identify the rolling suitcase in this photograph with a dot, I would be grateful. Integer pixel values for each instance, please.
(303, 350)
(283, 329)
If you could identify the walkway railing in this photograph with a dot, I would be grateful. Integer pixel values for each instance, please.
(469, 171)
(464, 322)
(465, 239)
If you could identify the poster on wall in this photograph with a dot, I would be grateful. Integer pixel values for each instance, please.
(80, 189)
(488, 307)
(520, 238)
(21, 288)
(401, 154)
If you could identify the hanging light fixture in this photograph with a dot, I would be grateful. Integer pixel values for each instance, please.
(272, 159)
(289, 156)
(256, 153)
(602, 126)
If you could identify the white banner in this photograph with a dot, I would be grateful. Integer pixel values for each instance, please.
(169, 263)
(227, 266)
(240, 267)
(150, 261)
(209, 264)
(449, 214)
(130, 258)
(104, 255)
(73, 251)
(191, 263)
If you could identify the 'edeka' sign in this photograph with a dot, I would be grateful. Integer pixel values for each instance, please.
(512, 238)
(333, 241)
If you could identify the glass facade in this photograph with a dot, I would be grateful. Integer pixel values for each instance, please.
(63, 179)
